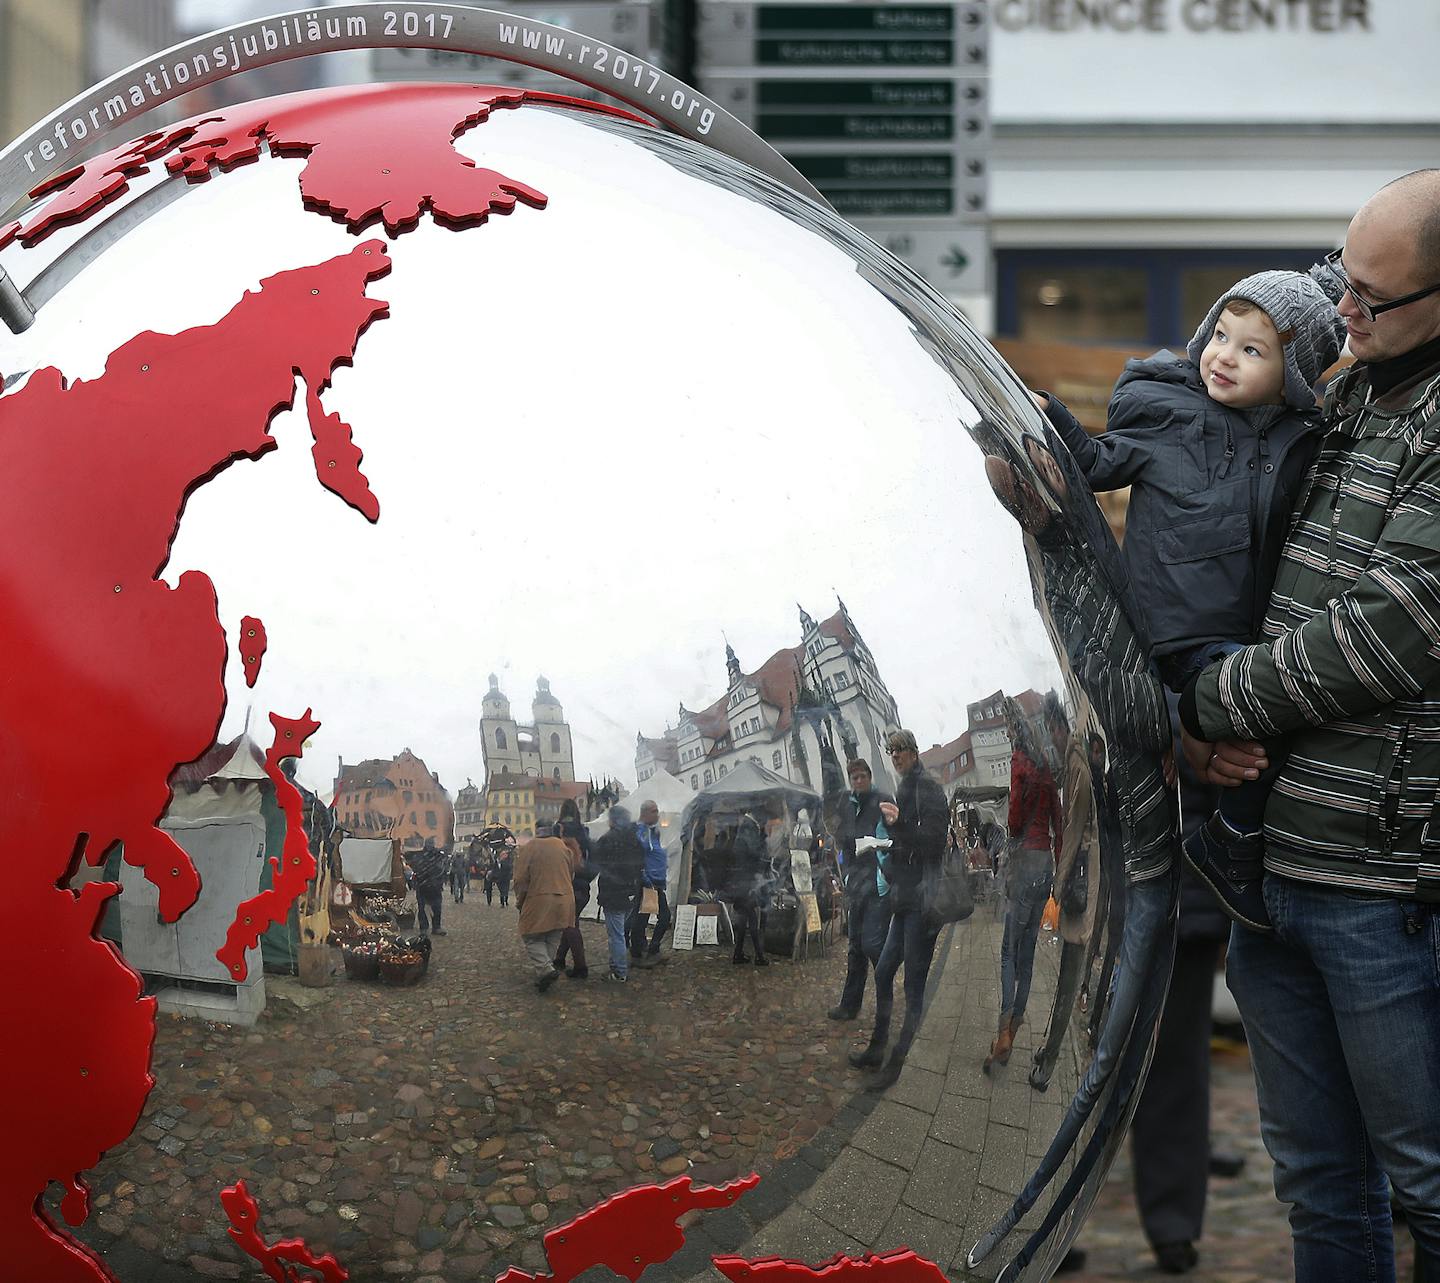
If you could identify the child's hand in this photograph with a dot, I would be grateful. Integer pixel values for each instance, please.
(1042, 402)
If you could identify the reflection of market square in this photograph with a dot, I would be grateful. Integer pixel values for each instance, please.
(468, 1113)
(447, 1126)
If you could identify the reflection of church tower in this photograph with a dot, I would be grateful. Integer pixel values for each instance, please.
(552, 735)
(499, 735)
(732, 667)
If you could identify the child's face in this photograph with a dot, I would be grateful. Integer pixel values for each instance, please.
(1243, 365)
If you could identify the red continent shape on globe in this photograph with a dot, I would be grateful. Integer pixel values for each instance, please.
(902, 1266)
(113, 677)
(110, 675)
(374, 152)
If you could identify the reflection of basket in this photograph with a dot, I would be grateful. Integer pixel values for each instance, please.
(405, 919)
(404, 968)
(361, 966)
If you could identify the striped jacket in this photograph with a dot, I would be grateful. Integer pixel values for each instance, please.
(1349, 666)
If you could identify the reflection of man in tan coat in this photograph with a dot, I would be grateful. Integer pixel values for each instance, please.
(1076, 879)
(544, 869)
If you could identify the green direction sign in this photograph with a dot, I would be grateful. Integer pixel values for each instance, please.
(886, 186)
(902, 202)
(831, 172)
(881, 19)
(855, 127)
(913, 111)
(880, 51)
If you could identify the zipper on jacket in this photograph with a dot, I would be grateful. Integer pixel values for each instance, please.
(1335, 505)
(1390, 797)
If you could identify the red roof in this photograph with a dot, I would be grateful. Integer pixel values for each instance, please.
(938, 755)
(776, 681)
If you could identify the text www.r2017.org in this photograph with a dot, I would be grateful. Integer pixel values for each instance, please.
(630, 71)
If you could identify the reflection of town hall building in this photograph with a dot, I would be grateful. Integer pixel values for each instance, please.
(802, 714)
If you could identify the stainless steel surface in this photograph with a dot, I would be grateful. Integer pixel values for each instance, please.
(611, 437)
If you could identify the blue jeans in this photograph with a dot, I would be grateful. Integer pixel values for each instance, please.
(869, 926)
(1028, 888)
(615, 920)
(1342, 1009)
(910, 940)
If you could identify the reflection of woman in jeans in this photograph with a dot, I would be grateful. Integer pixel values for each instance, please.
(1035, 833)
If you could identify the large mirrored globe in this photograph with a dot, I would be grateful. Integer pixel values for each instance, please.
(655, 643)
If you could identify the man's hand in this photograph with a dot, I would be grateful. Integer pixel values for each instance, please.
(1227, 763)
(890, 811)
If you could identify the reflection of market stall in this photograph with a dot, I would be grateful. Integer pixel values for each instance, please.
(224, 815)
(798, 899)
(370, 911)
(978, 818)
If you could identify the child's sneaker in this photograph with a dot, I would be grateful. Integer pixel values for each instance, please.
(1232, 864)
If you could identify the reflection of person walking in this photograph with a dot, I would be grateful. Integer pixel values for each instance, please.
(428, 866)
(867, 899)
(653, 879)
(544, 869)
(504, 867)
(621, 859)
(1035, 832)
(459, 877)
(747, 871)
(918, 822)
(573, 942)
(1076, 875)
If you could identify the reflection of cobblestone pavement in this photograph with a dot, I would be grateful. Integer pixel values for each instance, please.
(435, 1132)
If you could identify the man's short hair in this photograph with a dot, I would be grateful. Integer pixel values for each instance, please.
(901, 740)
(858, 764)
(1422, 186)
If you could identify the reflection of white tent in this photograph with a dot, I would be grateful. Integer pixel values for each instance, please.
(671, 797)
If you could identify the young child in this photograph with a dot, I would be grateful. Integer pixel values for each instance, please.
(1216, 448)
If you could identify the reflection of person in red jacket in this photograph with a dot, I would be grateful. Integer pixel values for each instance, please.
(1035, 830)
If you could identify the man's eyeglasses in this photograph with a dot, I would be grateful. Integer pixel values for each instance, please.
(1368, 309)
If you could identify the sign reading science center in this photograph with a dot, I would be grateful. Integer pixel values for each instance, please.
(1196, 61)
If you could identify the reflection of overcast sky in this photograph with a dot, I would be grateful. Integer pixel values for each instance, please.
(600, 434)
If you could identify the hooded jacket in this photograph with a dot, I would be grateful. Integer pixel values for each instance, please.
(1213, 489)
(1349, 668)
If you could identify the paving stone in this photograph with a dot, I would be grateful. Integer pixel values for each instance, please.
(940, 1183)
(856, 1194)
(893, 1132)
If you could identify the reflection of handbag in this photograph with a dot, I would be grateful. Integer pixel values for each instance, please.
(650, 901)
(948, 897)
(1076, 894)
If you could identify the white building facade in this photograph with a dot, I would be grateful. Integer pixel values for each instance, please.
(823, 699)
(1147, 153)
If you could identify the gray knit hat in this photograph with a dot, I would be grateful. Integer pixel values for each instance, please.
(1296, 304)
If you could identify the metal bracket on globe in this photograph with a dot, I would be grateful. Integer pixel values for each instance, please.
(65, 137)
